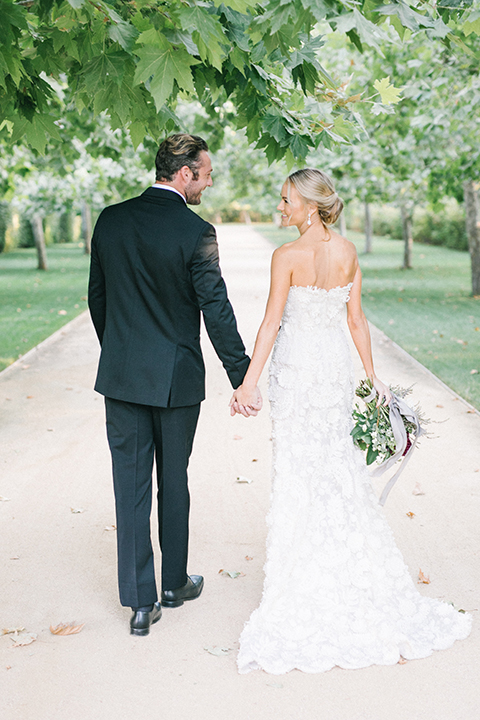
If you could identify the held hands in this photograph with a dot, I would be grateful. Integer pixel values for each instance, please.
(382, 391)
(246, 402)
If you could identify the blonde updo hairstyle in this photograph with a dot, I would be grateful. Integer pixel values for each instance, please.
(316, 187)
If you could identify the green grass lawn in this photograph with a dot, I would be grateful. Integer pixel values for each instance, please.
(35, 303)
(428, 311)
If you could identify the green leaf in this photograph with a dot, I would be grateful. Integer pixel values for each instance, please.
(389, 94)
(240, 6)
(343, 128)
(371, 455)
(3, 71)
(48, 123)
(289, 159)
(457, 41)
(211, 52)
(306, 53)
(102, 69)
(237, 60)
(318, 8)
(35, 132)
(204, 24)
(177, 37)
(472, 24)
(124, 33)
(11, 15)
(408, 17)
(367, 32)
(137, 133)
(154, 37)
(163, 67)
(274, 124)
(299, 146)
(14, 65)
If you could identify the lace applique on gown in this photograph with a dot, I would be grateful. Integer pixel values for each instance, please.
(337, 591)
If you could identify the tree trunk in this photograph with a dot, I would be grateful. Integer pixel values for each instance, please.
(472, 217)
(38, 234)
(407, 223)
(342, 224)
(86, 227)
(368, 229)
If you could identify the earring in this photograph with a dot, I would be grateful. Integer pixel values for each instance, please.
(309, 221)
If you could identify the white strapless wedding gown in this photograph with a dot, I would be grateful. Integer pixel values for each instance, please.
(337, 591)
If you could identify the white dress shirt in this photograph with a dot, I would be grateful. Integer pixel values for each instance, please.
(161, 186)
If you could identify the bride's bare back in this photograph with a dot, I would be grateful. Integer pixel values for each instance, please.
(319, 258)
(320, 262)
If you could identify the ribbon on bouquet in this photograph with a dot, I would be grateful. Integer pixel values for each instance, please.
(397, 408)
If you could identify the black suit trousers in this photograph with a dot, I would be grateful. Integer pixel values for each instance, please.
(136, 434)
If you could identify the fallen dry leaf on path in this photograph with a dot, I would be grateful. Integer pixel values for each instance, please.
(402, 661)
(417, 490)
(231, 573)
(12, 631)
(422, 578)
(218, 651)
(411, 515)
(66, 629)
(247, 557)
(23, 638)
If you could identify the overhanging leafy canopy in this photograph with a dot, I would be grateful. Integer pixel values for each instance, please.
(132, 60)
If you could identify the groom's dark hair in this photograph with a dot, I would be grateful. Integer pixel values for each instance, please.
(177, 151)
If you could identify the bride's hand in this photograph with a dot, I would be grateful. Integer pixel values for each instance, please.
(246, 402)
(382, 391)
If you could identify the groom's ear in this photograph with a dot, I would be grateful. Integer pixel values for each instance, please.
(185, 174)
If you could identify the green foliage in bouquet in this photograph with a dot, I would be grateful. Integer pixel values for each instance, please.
(372, 430)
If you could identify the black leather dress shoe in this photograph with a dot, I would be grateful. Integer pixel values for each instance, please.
(191, 590)
(142, 619)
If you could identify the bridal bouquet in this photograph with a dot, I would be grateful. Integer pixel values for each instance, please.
(389, 432)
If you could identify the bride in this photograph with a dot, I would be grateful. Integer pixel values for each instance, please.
(337, 591)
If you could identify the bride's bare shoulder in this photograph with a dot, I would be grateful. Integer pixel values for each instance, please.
(286, 249)
(343, 244)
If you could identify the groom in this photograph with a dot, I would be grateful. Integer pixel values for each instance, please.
(154, 270)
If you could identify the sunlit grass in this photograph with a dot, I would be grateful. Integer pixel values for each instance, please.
(429, 310)
(33, 303)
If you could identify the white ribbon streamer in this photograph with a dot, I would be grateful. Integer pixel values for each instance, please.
(397, 410)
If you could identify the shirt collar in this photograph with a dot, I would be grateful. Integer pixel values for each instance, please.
(162, 186)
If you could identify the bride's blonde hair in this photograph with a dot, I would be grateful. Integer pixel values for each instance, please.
(316, 187)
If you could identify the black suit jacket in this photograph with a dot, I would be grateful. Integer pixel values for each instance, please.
(154, 267)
